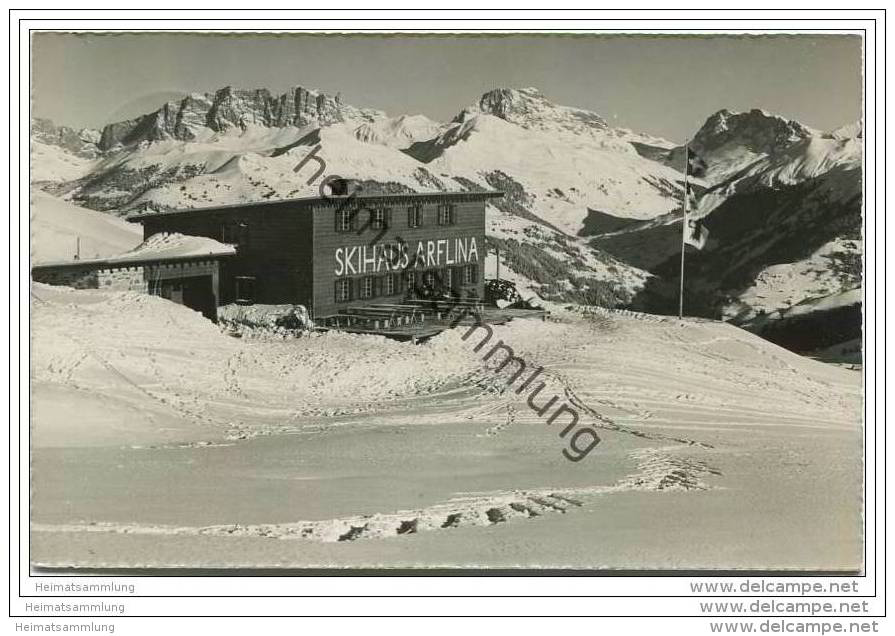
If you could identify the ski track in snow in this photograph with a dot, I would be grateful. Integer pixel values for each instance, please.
(279, 375)
(659, 469)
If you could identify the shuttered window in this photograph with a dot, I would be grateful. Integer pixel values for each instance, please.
(446, 215)
(388, 285)
(379, 218)
(471, 274)
(415, 216)
(345, 220)
(343, 290)
(367, 287)
(458, 274)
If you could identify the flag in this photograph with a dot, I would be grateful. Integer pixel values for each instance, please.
(692, 199)
(695, 234)
(696, 165)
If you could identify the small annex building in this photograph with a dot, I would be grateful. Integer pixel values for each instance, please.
(183, 269)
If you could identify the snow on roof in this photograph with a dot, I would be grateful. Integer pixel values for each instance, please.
(173, 245)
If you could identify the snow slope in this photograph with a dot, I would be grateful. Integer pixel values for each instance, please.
(564, 176)
(236, 165)
(57, 224)
(52, 163)
(778, 287)
(398, 132)
(304, 453)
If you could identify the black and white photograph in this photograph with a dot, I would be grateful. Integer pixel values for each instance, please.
(433, 301)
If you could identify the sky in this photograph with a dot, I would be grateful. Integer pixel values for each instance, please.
(660, 85)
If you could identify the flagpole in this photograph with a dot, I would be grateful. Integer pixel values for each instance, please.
(680, 310)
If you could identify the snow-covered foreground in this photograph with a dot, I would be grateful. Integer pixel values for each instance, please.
(159, 441)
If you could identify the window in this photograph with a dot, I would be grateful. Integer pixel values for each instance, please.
(245, 290)
(345, 220)
(411, 281)
(470, 274)
(429, 279)
(366, 287)
(235, 233)
(415, 216)
(379, 218)
(446, 214)
(388, 285)
(343, 290)
(447, 278)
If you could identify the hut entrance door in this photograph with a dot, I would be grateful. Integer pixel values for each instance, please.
(198, 295)
(195, 292)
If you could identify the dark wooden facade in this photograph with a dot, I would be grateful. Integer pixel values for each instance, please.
(327, 253)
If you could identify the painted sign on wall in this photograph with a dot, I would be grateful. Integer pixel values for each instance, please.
(388, 257)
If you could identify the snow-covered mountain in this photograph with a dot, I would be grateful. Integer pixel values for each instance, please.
(752, 150)
(529, 108)
(60, 153)
(82, 143)
(590, 210)
(228, 109)
(398, 132)
(782, 204)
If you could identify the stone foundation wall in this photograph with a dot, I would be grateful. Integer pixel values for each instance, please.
(70, 277)
(126, 279)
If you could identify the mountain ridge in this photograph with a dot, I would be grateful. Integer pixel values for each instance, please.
(229, 108)
(584, 204)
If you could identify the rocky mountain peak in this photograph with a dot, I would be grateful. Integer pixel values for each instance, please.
(510, 103)
(756, 130)
(82, 142)
(530, 108)
(233, 108)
